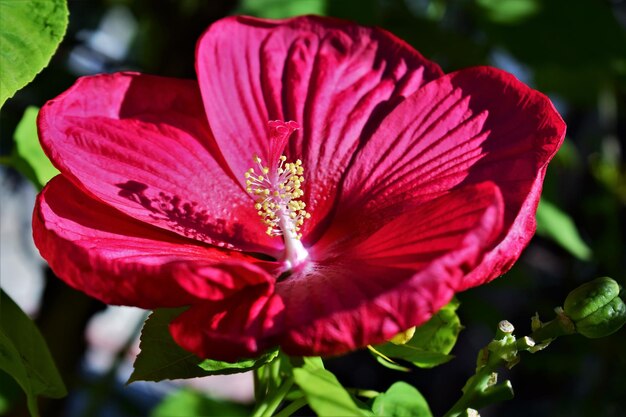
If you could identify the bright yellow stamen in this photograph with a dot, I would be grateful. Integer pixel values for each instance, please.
(277, 196)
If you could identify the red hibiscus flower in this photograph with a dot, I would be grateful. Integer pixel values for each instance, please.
(388, 187)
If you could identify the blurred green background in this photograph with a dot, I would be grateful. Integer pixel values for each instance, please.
(572, 50)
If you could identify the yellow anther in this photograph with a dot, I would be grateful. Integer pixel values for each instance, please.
(277, 195)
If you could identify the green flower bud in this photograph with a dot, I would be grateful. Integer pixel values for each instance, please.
(596, 308)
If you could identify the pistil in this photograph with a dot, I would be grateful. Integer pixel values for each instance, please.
(276, 188)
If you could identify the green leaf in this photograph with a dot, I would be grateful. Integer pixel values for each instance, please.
(28, 157)
(432, 342)
(325, 394)
(401, 400)
(161, 358)
(190, 403)
(30, 32)
(386, 361)
(557, 225)
(25, 356)
(280, 9)
(509, 11)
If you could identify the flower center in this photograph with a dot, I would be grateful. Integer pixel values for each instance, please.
(276, 188)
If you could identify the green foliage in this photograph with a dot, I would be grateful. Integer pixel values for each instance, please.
(279, 9)
(25, 356)
(509, 11)
(401, 400)
(546, 35)
(558, 226)
(190, 403)
(28, 157)
(161, 358)
(432, 342)
(30, 32)
(325, 394)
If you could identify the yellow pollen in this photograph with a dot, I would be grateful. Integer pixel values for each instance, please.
(277, 196)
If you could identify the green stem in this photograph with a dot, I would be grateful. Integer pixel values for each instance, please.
(273, 400)
(471, 390)
(480, 389)
(560, 326)
(260, 386)
(292, 407)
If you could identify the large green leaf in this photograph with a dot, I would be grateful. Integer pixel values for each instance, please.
(555, 224)
(401, 400)
(30, 31)
(28, 157)
(325, 394)
(189, 403)
(432, 342)
(25, 356)
(161, 358)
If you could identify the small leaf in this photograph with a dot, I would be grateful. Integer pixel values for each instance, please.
(325, 394)
(401, 400)
(161, 358)
(386, 361)
(30, 32)
(28, 157)
(432, 342)
(439, 334)
(509, 11)
(190, 403)
(555, 224)
(417, 356)
(280, 9)
(25, 356)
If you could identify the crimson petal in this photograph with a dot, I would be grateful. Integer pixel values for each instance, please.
(467, 127)
(334, 78)
(353, 297)
(142, 145)
(119, 260)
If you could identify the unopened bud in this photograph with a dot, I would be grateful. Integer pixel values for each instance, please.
(596, 308)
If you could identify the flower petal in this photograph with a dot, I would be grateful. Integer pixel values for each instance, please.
(334, 78)
(119, 260)
(389, 282)
(234, 329)
(142, 145)
(471, 126)
(395, 279)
